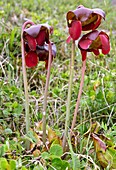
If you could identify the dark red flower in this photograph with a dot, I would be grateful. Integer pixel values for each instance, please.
(43, 53)
(36, 40)
(93, 42)
(31, 59)
(83, 19)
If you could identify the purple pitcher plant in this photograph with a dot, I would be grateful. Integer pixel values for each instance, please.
(83, 19)
(36, 46)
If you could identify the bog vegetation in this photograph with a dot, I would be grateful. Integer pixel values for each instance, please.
(89, 143)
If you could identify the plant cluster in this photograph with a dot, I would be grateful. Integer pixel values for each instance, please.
(41, 147)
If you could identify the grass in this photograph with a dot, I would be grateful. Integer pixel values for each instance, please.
(98, 102)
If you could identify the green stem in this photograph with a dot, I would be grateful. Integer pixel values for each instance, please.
(25, 82)
(67, 122)
(79, 95)
(46, 92)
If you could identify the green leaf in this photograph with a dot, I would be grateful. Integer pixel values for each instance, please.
(99, 145)
(112, 152)
(30, 136)
(12, 164)
(3, 164)
(75, 161)
(57, 163)
(12, 37)
(106, 155)
(2, 150)
(8, 131)
(23, 168)
(39, 167)
(104, 126)
(45, 155)
(56, 150)
(65, 165)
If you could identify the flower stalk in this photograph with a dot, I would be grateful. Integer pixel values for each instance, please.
(25, 83)
(67, 122)
(79, 94)
(46, 92)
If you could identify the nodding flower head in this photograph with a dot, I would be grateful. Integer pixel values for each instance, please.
(93, 42)
(83, 19)
(36, 40)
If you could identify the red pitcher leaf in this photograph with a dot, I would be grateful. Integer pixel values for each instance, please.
(31, 42)
(105, 44)
(98, 144)
(31, 59)
(75, 30)
(107, 140)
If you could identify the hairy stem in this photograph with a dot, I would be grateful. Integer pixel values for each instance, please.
(46, 92)
(25, 82)
(67, 122)
(79, 95)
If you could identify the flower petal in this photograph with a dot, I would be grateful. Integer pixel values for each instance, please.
(68, 39)
(105, 44)
(41, 37)
(92, 35)
(98, 22)
(33, 30)
(53, 48)
(96, 52)
(84, 54)
(46, 64)
(31, 59)
(92, 23)
(99, 12)
(43, 53)
(85, 43)
(82, 13)
(75, 30)
(31, 42)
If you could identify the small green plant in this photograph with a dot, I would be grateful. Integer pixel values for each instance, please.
(55, 157)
